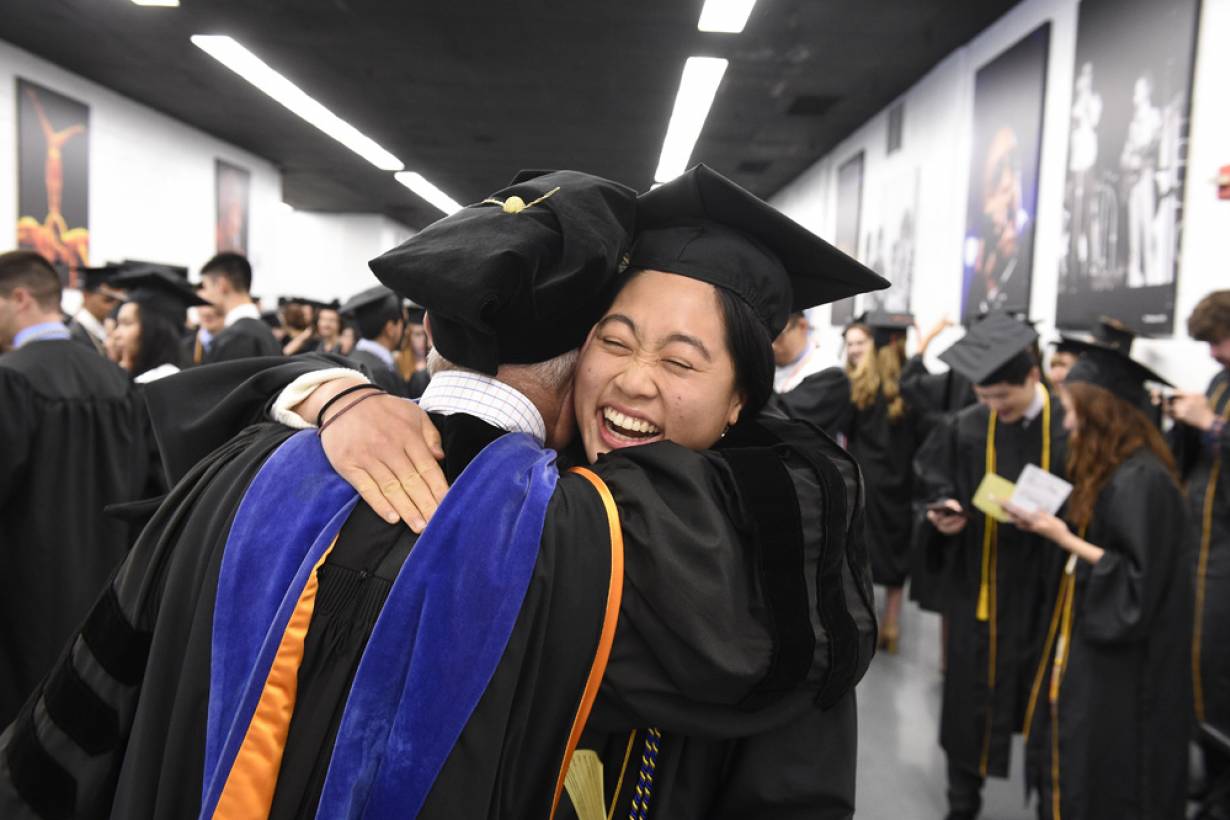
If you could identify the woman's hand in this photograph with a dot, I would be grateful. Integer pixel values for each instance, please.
(947, 516)
(1192, 409)
(1038, 522)
(386, 448)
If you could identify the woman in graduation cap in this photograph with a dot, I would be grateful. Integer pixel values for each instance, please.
(882, 439)
(1107, 725)
(149, 338)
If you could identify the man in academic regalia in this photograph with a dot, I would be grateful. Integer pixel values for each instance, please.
(807, 386)
(196, 611)
(226, 282)
(1202, 444)
(70, 435)
(999, 578)
(97, 301)
(378, 314)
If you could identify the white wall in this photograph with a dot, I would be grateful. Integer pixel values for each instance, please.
(938, 131)
(152, 195)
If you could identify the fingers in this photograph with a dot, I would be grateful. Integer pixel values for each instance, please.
(432, 478)
(391, 488)
(432, 438)
(370, 492)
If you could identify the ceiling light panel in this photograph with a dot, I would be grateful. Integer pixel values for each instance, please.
(725, 16)
(415, 182)
(169, 4)
(697, 88)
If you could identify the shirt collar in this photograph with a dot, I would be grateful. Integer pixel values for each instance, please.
(92, 325)
(40, 332)
(1035, 406)
(481, 396)
(245, 311)
(376, 349)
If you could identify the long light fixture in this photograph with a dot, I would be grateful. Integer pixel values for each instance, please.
(234, 56)
(170, 4)
(415, 182)
(697, 88)
(727, 16)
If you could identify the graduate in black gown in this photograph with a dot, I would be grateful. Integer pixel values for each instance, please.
(676, 660)
(1108, 721)
(1201, 440)
(882, 437)
(147, 331)
(226, 282)
(97, 301)
(377, 313)
(804, 388)
(70, 434)
(1001, 580)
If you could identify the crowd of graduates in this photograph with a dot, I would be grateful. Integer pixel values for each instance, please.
(1100, 634)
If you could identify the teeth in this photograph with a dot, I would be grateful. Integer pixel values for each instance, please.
(628, 422)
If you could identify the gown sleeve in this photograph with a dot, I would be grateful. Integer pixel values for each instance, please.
(17, 401)
(823, 399)
(1144, 529)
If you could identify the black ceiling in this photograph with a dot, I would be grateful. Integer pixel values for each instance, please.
(468, 92)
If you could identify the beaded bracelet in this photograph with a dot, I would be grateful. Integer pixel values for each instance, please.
(350, 407)
(320, 417)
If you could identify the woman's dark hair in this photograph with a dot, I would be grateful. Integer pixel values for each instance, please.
(751, 349)
(158, 341)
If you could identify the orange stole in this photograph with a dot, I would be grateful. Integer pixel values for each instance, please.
(610, 620)
(249, 788)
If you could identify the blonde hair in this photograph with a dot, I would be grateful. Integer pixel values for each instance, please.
(878, 372)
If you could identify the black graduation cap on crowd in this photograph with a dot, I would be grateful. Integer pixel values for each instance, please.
(93, 279)
(1067, 344)
(989, 345)
(704, 226)
(1113, 369)
(160, 291)
(1111, 332)
(886, 324)
(522, 276)
(375, 298)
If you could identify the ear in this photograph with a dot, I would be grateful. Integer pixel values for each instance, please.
(736, 407)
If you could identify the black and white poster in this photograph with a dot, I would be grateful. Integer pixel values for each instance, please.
(888, 246)
(849, 208)
(1127, 151)
(1002, 203)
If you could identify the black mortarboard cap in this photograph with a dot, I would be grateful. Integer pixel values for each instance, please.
(94, 278)
(1113, 333)
(886, 324)
(522, 276)
(704, 226)
(1068, 344)
(159, 290)
(989, 345)
(1114, 370)
(375, 298)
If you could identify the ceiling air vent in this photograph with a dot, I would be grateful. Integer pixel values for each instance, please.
(811, 105)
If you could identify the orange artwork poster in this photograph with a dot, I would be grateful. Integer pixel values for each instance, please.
(53, 160)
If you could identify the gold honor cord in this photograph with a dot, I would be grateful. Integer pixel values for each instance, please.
(988, 589)
(1202, 567)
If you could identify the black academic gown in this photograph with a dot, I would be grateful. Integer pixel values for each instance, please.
(978, 717)
(380, 373)
(243, 339)
(934, 398)
(70, 435)
(84, 337)
(1206, 473)
(884, 449)
(747, 661)
(822, 399)
(1113, 744)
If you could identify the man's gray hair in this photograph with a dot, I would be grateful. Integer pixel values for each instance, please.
(552, 375)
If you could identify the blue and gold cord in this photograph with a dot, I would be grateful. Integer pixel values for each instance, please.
(644, 783)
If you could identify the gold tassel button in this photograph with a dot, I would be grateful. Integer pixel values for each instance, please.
(514, 205)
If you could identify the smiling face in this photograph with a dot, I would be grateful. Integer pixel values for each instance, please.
(657, 368)
(858, 342)
(127, 332)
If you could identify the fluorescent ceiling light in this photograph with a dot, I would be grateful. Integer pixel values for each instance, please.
(728, 16)
(164, 3)
(697, 87)
(253, 69)
(415, 182)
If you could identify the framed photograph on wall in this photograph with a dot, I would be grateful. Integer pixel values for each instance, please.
(888, 248)
(53, 178)
(998, 252)
(231, 184)
(1127, 159)
(849, 208)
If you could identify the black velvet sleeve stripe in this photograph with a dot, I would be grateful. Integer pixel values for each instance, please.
(42, 782)
(771, 502)
(121, 648)
(89, 721)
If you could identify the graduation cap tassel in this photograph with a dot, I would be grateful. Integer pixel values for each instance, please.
(585, 787)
